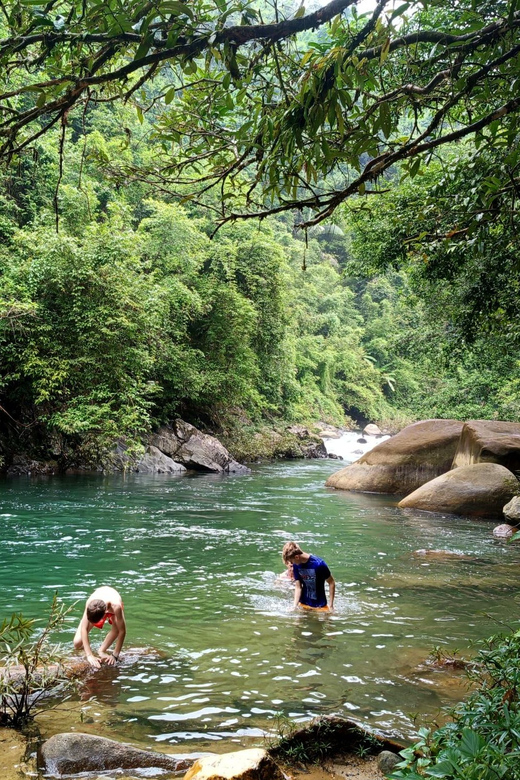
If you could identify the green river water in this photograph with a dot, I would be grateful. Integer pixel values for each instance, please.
(213, 655)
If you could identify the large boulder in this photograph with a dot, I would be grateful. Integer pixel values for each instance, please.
(156, 462)
(489, 441)
(480, 490)
(414, 456)
(251, 764)
(69, 754)
(195, 450)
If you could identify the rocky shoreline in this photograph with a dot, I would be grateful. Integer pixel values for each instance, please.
(178, 447)
(329, 744)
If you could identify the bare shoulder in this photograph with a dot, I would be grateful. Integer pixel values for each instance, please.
(107, 594)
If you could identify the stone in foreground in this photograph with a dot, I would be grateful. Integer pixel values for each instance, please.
(387, 761)
(414, 456)
(479, 490)
(69, 754)
(252, 764)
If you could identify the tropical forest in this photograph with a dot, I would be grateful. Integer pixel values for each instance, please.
(255, 217)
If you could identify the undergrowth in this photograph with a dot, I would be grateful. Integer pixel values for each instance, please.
(482, 742)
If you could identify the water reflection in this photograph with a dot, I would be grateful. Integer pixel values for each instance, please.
(213, 650)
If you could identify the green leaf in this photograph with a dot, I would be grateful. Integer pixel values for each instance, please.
(385, 51)
(471, 743)
(176, 8)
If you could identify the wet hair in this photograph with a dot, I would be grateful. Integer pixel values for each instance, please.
(290, 549)
(96, 610)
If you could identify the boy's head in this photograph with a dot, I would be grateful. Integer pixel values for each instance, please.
(290, 550)
(96, 610)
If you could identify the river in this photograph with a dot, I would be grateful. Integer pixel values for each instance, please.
(213, 656)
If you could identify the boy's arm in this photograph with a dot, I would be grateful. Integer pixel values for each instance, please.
(120, 624)
(332, 590)
(91, 658)
(297, 593)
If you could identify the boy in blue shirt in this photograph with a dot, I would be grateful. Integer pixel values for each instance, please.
(310, 575)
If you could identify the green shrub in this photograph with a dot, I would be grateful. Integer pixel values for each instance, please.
(482, 742)
(32, 666)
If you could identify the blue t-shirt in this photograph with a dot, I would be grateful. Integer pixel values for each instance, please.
(312, 576)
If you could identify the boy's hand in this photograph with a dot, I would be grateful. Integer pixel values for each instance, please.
(107, 658)
(94, 662)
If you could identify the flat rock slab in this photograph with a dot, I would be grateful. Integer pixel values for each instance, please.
(480, 490)
(414, 456)
(252, 764)
(70, 754)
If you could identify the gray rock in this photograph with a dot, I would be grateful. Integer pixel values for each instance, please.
(68, 754)
(156, 462)
(251, 764)
(479, 490)
(512, 509)
(387, 761)
(195, 450)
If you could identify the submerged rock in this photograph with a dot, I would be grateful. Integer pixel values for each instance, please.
(69, 754)
(479, 490)
(414, 456)
(252, 764)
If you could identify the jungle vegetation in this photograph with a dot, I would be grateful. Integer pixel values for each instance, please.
(255, 210)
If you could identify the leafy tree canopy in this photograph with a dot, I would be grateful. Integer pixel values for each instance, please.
(272, 106)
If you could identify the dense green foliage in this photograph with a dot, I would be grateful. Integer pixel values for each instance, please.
(482, 742)
(129, 131)
(275, 106)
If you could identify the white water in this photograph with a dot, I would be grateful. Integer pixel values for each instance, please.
(349, 447)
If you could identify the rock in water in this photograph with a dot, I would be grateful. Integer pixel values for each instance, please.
(372, 430)
(512, 509)
(69, 754)
(195, 450)
(504, 531)
(156, 462)
(479, 490)
(252, 764)
(414, 456)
